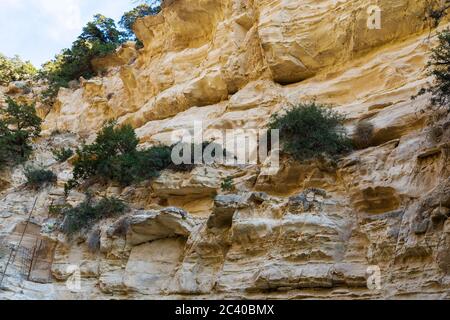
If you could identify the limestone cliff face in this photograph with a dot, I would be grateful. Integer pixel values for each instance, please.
(311, 231)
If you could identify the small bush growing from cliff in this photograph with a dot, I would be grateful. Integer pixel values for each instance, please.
(363, 135)
(227, 184)
(63, 154)
(111, 148)
(310, 130)
(39, 177)
(18, 125)
(58, 209)
(88, 213)
(137, 166)
(14, 69)
(114, 157)
(439, 68)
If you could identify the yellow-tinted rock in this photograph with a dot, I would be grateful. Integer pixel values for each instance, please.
(321, 227)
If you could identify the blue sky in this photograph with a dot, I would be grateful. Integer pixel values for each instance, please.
(38, 29)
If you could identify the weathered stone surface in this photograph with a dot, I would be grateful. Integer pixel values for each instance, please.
(315, 229)
(294, 53)
(444, 250)
(146, 226)
(224, 208)
(124, 55)
(18, 87)
(151, 266)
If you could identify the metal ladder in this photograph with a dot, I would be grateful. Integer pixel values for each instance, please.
(14, 250)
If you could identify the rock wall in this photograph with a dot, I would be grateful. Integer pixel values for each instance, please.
(314, 230)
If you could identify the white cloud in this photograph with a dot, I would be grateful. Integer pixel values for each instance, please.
(11, 4)
(62, 17)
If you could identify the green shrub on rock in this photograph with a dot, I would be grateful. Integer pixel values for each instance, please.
(19, 124)
(114, 157)
(88, 213)
(39, 177)
(63, 154)
(136, 166)
(310, 130)
(227, 184)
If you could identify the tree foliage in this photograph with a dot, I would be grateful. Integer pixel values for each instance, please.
(114, 157)
(99, 38)
(39, 177)
(439, 67)
(310, 130)
(19, 124)
(129, 18)
(14, 69)
(227, 184)
(88, 213)
(63, 154)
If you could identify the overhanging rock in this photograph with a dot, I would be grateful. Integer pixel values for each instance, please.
(146, 226)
